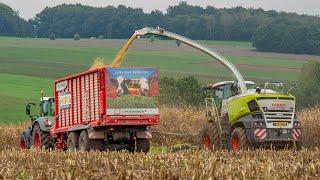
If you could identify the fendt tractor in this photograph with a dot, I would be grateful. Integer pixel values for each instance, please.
(240, 115)
(102, 109)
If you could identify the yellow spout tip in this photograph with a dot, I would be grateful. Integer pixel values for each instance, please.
(98, 63)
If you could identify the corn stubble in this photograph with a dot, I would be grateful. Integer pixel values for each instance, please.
(188, 164)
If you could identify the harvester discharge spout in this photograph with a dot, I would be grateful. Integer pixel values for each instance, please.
(161, 32)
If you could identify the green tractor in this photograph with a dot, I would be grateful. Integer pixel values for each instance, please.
(257, 118)
(42, 119)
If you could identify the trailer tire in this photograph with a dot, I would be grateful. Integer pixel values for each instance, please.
(209, 137)
(73, 141)
(86, 144)
(239, 140)
(41, 139)
(142, 145)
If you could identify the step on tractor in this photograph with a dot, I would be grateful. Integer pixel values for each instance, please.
(107, 108)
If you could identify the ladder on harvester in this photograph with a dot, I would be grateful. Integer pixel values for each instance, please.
(223, 125)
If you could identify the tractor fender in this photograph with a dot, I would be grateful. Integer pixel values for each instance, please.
(246, 123)
(27, 135)
(41, 121)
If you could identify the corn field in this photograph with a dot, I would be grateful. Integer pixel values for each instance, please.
(187, 164)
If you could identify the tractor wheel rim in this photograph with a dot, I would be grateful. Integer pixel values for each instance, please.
(37, 141)
(235, 143)
(207, 143)
(23, 144)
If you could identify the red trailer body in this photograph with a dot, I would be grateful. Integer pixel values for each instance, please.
(96, 100)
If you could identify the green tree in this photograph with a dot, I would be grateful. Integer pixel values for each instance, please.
(52, 36)
(308, 92)
(76, 37)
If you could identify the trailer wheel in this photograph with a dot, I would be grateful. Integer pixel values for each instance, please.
(73, 141)
(41, 139)
(142, 145)
(238, 139)
(23, 142)
(209, 137)
(86, 144)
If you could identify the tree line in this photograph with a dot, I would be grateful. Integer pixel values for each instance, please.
(268, 30)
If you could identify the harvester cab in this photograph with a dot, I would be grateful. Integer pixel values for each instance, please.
(218, 94)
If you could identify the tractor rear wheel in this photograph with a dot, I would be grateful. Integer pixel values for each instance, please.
(86, 144)
(142, 145)
(41, 139)
(209, 137)
(239, 140)
(73, 141)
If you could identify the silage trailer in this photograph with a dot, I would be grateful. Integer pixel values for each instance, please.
(103, 108)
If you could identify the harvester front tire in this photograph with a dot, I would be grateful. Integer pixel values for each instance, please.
(86, 144)
(41, 139)
(142, 145)
(239, 140)
(73, 141)
(209, 137)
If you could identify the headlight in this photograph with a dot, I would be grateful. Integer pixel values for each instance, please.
(297, 124)
(258, 123)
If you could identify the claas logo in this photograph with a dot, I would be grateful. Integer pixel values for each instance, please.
(278, 104)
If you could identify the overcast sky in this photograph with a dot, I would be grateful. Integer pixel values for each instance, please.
(29, 8)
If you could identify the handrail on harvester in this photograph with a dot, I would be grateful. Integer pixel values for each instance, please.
(215, 55)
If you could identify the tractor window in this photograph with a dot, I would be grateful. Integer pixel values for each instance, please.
(229, 90)
(51, 108)
(45, 108)
(218, 96)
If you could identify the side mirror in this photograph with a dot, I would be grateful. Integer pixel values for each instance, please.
(294, 86)
(28, 109)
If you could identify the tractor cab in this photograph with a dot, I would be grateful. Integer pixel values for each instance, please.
(217, 95)
(46, 108)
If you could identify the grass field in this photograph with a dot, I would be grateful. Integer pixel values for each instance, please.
(29, 65)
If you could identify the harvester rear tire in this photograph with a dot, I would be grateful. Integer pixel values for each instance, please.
(73, 141)
(239, 140)
(209, 137)
(142, 145)
(41, 139)
(86, 144)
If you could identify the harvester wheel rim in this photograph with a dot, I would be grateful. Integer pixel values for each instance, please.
(235, 143)
(37, 141)
(23, 145)
(207, 142)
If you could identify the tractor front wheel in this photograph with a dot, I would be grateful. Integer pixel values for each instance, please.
(23, 142)
(209, 137)
(238, 139)
(41, 139)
